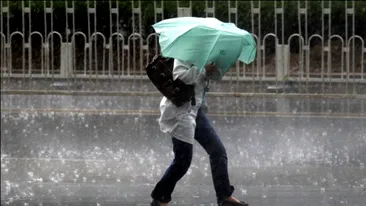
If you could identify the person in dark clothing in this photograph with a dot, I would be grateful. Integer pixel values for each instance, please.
(186, 124)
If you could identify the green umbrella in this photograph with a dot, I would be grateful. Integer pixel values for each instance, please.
(205, 40)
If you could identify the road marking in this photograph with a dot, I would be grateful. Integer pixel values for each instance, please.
(157, 113)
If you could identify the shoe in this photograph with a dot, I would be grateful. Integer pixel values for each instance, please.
(155, 203)
(230, 203)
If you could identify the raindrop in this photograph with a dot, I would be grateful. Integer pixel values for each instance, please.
(254, 174)
(30, 174)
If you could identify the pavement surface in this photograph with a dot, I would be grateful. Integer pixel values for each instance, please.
(142, 84)
(108, 150)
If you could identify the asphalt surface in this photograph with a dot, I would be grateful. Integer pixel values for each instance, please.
(142, 84)
(89, 150)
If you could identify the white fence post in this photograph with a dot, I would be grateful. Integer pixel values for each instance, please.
(282, 61)
(184, 11)
(66, 60)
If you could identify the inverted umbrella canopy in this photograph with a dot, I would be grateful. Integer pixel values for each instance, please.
(205, 40)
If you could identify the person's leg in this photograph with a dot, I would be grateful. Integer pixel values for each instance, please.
(178, 168)
(207, 137)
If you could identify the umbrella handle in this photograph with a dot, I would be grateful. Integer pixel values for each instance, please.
(207, 84)
(206, 90)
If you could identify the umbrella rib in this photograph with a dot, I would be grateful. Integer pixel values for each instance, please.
(213, 45)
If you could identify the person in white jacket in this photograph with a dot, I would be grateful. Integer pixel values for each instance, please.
(186, 124)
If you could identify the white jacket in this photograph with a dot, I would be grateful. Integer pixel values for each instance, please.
(180, 122)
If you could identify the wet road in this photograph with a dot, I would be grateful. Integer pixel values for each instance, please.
(281, 152)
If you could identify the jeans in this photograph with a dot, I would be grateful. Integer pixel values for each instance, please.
(207, 137)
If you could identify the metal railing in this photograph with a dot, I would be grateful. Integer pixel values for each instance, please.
(121, 53)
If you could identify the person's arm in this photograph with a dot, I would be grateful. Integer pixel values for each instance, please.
(185, 72)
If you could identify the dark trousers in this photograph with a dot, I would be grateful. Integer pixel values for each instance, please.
(207, 137)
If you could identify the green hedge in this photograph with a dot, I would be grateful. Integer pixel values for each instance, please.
(244, 16)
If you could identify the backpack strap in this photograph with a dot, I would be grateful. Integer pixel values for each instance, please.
(160, 72)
